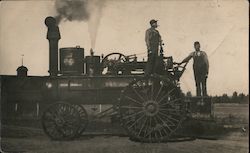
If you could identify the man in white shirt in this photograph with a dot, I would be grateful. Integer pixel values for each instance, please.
(201, 69)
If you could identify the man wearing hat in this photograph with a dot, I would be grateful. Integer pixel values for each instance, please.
(153, 40)
(201, 68)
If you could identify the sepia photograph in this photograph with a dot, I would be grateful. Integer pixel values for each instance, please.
(124, 76)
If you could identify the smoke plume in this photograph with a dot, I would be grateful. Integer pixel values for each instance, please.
(81, 10)
(71, 10)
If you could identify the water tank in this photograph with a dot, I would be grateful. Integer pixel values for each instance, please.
(71, 61)
(93, 65)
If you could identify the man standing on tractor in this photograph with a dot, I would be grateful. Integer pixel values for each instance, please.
(153, 41)
(201, 68)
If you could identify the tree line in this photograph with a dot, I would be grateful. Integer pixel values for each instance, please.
(225, 98)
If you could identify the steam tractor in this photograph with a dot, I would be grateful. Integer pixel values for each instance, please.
(150, 108)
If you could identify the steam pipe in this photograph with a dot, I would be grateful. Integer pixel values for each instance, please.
(53, 36)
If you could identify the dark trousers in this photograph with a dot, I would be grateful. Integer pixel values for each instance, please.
(201, 85)
(151, 64)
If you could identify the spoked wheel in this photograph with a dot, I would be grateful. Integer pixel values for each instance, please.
(151, 109)
(61, 121)
(112, 61)
(83, 118)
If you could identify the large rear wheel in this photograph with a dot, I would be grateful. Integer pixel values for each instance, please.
(151, 109)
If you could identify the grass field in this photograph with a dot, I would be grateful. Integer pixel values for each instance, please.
(235, 114)
(237, 110)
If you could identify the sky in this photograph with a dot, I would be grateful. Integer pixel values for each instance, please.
(221, 26)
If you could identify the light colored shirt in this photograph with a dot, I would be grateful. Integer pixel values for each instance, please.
(200, 54)
(152, 38)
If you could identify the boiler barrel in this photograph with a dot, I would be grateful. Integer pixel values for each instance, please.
(93, 65)
(71, 61)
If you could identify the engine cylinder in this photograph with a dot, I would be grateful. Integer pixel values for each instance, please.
(93, 65)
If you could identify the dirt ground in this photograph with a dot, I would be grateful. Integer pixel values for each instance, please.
(236, 142)
(28, 137)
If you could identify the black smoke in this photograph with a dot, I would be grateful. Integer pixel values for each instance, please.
(81, 10)
(72, 10)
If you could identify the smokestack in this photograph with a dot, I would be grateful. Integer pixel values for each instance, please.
(53, 35)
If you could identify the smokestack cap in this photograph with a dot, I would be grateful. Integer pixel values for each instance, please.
(50, 21)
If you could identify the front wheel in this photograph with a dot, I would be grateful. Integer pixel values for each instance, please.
(83, 118)
(61, 121)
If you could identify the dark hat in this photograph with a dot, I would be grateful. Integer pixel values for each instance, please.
(153, 21)
(196, 43)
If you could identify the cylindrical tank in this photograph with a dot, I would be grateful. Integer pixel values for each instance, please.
(93, 65)
(71, 61)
